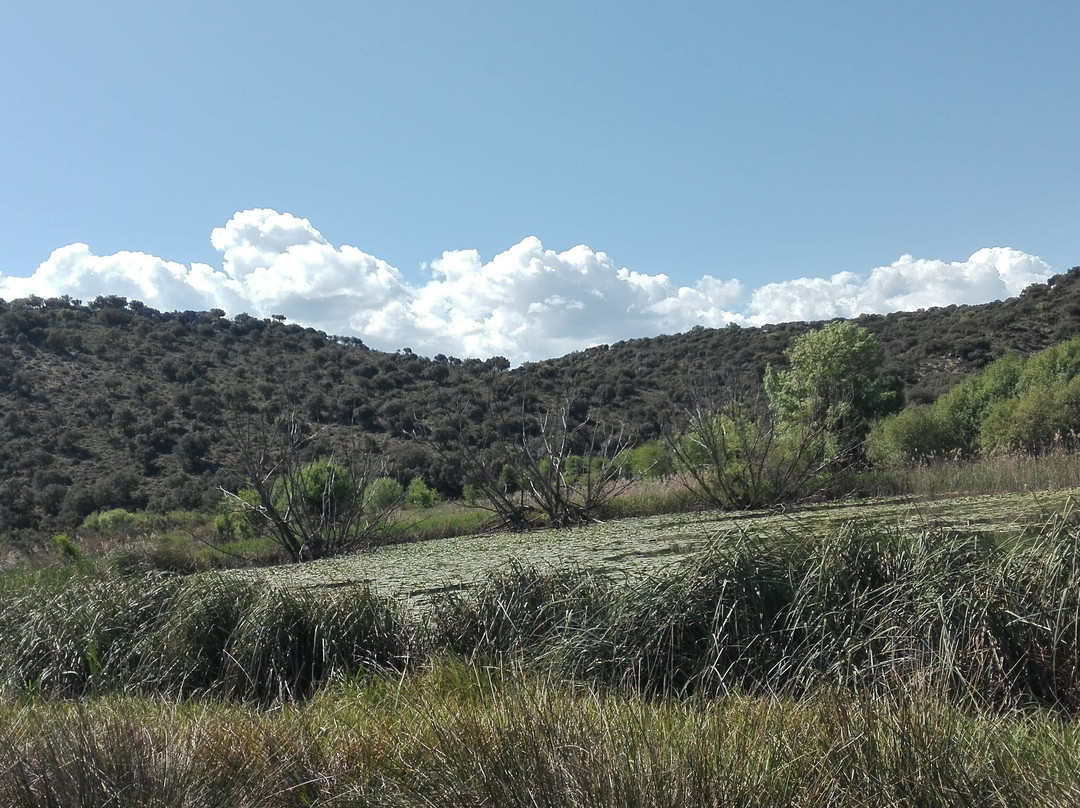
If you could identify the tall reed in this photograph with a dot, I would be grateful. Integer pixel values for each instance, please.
(866, 609)
(208, 634)
(456, 737)
(961, 616)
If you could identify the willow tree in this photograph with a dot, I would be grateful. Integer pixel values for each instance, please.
(798, 440)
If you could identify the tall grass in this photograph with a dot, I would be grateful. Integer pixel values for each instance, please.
(651, 496)
(871, 610)
(102, 633)
(456, 737)
(872, 667)
(234, 638)
(996, 473)
(867, 610)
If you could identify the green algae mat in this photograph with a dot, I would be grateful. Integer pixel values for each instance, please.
(633, 547)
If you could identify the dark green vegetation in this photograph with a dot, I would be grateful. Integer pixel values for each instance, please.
(114, 405)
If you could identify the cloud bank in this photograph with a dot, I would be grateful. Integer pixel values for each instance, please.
(526, 303)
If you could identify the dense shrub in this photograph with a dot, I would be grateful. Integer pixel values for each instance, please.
(1015, 404)
(382, 494)
(420, 495)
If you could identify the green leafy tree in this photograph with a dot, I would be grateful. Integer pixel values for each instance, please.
(1015, 404)
(809, 431)
(834, 383)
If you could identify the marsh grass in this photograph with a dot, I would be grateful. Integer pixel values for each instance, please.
(230, 638)
(454, 735)
(101, 633)
(996, 473)
(441, 521)
(980, 619)
(984, 622)
(653, 496)
(862, 666)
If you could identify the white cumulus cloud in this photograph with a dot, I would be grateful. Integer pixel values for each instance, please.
(992, 273)
(525, 303)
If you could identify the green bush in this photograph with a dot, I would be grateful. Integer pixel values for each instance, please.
(383, 494)
(67, 546)
(319, 486)
(1026, 405)
(237, 520)
(651, 460)
(114, 521)
(736, 458)
(916, 434)
(420, 495)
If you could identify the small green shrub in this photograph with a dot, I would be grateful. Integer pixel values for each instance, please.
(651, 460)
(157, 553)
(420, 495)
(114, 522)
(383, 494)
(237, 518)
(916, 434)
(67, 546)
(319, 486)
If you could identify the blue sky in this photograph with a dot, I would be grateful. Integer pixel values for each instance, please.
(746, 152)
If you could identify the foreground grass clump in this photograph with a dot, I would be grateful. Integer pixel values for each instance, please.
(980, 621)
(101, 632)
(456, 736)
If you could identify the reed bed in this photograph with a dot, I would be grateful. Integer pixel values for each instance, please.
(983, 621)
(456, 736)
(869, 667)
(205, 635)
(1055, 469)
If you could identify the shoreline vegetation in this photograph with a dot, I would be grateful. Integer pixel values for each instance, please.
(849, 663)
(456, 735)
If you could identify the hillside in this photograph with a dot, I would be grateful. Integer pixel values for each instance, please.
(113, 404)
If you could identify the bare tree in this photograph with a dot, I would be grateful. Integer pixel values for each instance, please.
(312, 503)
(555, 470)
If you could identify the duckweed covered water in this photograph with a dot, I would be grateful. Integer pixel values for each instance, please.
(635, 547)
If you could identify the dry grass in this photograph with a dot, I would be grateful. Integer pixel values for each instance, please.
(458, 736)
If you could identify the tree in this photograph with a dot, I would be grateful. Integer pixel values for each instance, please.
(314, 506)
(556, 466)
(833, 383)
(801, 439)
(1028, 405)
